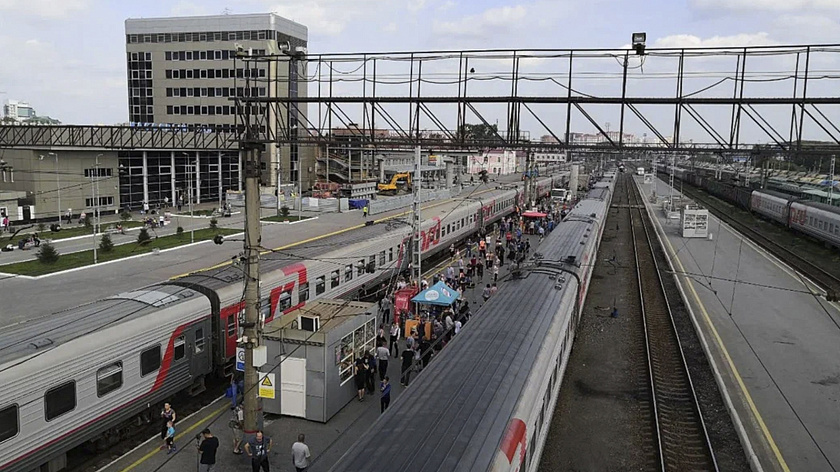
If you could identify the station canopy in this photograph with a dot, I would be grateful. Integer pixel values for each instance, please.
(437, 294)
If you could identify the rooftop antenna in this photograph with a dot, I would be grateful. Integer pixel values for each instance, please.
(226, 11)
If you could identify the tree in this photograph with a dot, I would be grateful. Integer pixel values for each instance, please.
(47, 254)
(105, 244)
(179, 231)
(484, 134)
(143, 237)
(284, 210)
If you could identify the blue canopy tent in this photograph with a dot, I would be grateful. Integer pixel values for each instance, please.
(438, 294)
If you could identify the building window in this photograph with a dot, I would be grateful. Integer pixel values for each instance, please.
(149, 360)
(219, 55)
(108, 379)
(203, 55)
(9, 422)
(60, 400)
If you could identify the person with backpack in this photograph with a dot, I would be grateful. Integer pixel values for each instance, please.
(385, 388)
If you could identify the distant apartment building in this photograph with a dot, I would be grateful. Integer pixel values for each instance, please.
(497, 162)
(181, 71)
(18, 111)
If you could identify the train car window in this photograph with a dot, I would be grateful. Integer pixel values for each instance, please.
(265, 308)
(320, 285)
(348, 272)
(303, 292)
(334, 279)
(372, 260)
(284, 301)
(231, 325)
(360, 267)
(108, 379)
(9, 422)
(149, 360)
(180, 349)
(391, 254)
(199, 340)
(59, 400)
(381, 258)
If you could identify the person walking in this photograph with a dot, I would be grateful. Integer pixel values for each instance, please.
(407, 360)
(180, 203)
(167, 415)
(485, 294)
(169, 439)
(237, 425)
(395, 336)
(359, 377)
(495, 272)
(300, 454)
(207, 448)
(365, 211)
(257, 449)
(385, 388)
(382, 355)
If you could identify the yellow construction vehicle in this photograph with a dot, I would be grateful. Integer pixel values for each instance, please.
(400, 183)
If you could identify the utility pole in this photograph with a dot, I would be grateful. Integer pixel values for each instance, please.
(94, 190)
(251, 324)
(416, 244)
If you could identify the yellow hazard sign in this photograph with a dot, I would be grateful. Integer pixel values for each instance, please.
(267, 386)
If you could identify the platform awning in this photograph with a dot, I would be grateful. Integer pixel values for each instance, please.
(439, 294)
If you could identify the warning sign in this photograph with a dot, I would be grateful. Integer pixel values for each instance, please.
(266, 385)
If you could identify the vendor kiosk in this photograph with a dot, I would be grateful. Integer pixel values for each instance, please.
(438, 295)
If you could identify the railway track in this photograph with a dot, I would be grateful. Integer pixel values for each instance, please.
(680, 435)
(829, 282)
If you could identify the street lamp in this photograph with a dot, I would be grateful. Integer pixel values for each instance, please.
(189, 197)
(94, 188)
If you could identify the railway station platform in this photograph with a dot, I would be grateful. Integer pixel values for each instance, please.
(59, 291)
(327, 441)
(773, 343)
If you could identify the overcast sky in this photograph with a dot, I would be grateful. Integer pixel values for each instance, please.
(67, 57)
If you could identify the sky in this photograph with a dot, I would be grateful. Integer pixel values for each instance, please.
(67, 57)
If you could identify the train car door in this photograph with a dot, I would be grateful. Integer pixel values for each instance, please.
(201, 342)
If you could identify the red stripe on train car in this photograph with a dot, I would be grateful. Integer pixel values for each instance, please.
(514, 436)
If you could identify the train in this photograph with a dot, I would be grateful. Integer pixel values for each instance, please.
(486, 401)
(814, 219)
(83, 375)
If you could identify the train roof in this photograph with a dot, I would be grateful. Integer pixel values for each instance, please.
(822, 206)
(477, 381)
(228, 274)
(48, 332)
(776, 194)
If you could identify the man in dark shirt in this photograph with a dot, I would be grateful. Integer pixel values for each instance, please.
(208, 447)
(257, 449)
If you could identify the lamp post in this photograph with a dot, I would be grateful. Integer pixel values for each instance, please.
(57, 184)
(94, 188)
(190, 191)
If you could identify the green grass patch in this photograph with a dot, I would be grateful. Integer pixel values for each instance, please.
(197, 213)
(85, 258)
(281, 218)
(68, 232)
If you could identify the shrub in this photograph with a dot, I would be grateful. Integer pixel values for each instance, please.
(143, 237)
(180, 231)
(214, 223)
(41, 227)
(284, 211)
(88, 221)
(48, 254)
(125, 216)
(105, 244)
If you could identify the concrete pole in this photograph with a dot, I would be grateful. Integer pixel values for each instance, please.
(94, 187)
(252, 324)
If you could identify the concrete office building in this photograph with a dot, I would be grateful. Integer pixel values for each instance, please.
(181, 71)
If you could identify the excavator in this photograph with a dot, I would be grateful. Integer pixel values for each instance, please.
(399, 183)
